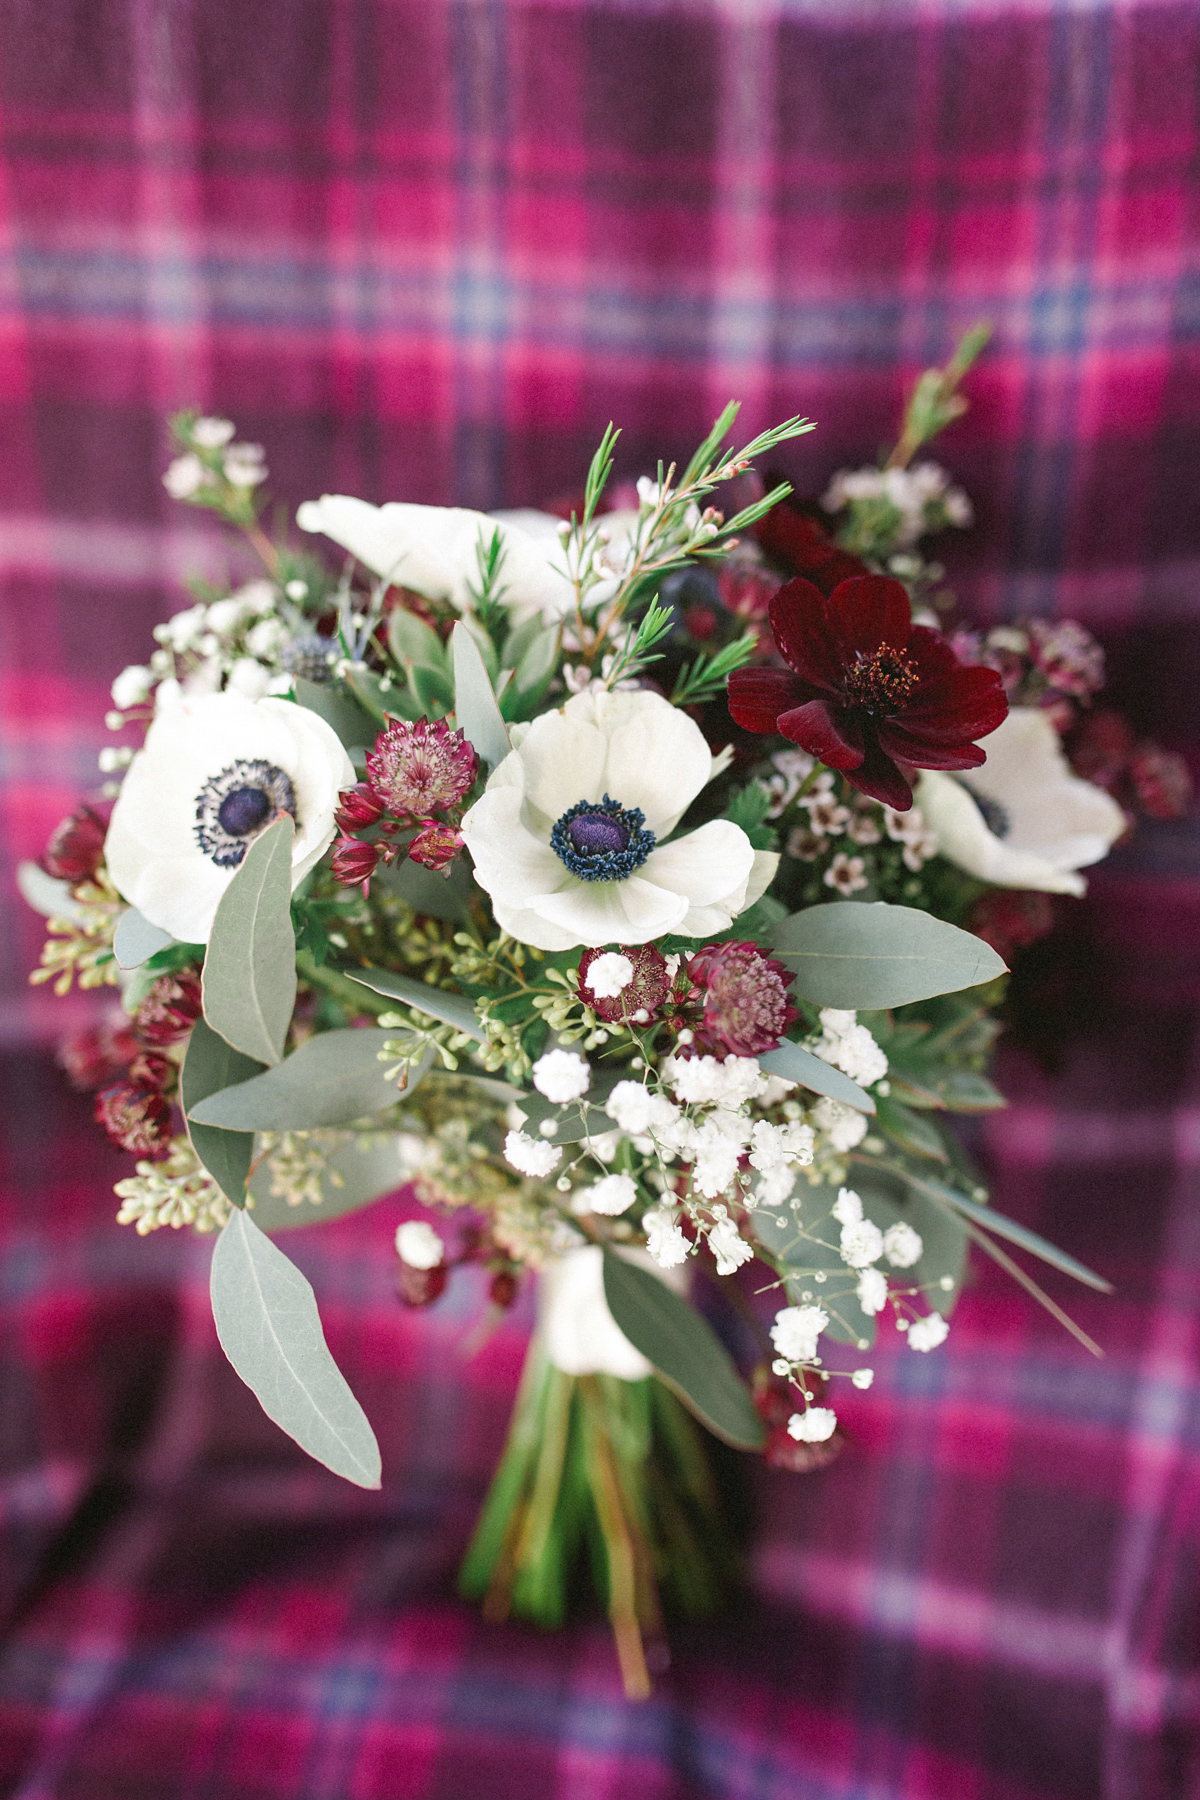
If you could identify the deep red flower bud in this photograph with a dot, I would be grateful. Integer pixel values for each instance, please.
(502, 1289)
(76, 847)
(1011, 919)
(358, 806)
(135, 1118)
(420, 1287)
(746, 1005)
(421, 768)
(96, 1056)
(435, 846)
(866, 690)
(354, 861)
(150, 1070)
(170, 1009)
(799, 545)
(647, 989)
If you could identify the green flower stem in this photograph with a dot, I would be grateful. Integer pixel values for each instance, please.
(352, 995)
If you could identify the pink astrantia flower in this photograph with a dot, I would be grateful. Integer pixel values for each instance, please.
(435, 846)
(421, 768)
(745, 999)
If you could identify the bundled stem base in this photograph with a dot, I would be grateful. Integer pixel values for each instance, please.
(609, 1474)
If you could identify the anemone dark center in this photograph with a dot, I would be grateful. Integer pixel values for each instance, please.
(234, 806)
(995, 816)
(244, 810)
(602, 841)
(881, 682)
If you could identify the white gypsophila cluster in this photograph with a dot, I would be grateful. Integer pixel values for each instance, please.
(531, 1156)
(612, 1195)
(796, 1330)
(665, 1240)
(813, 1426)
(777, 1151)
(928, 1333)
(844, 1126)
(922, 495)
(609, 975)
(727, 1243)
(562, 1076)
(902, 1245)
(911, 831)
(850, 1047)
(419, 1245)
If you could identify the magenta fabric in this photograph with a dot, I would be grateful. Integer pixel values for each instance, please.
(426, 251)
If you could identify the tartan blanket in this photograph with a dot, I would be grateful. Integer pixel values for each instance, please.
(425, 249)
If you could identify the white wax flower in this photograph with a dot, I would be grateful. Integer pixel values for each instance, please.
(434, 550)
(185, 476)
(872, 1291)
(212, 434)
(531, 1156)
(568, 838)
(609, 975)
(796, 1330)
(813, 1426)
(1023, 820)
(611, 1195)
(243, 465)
(562, 1076)
(132, 686)
(928, 1333)
(419, 1245)
(215, 771)
(902, 1245)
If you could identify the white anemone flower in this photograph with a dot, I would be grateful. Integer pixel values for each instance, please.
(569, 836)
(215, 771)
(1023, 820)
(434, 550)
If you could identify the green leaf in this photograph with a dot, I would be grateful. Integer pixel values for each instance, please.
(860, 957)
(355, 727)
(437, 1003)
(412, 640)
(432, 690)
(474, 702)
(534, 663)
(368, 1171)
(379, 695)
(483, 643)
(269, 1327)
(437, 896)
(333, 1079)
(209, 1065)
(966, 1092)
(989, 1220)
(684, 1349)
(908, 1129)
(249, 979)
(136, 940)
(795, 1063)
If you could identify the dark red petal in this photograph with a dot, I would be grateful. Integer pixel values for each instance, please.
(800, 624)
(830, 734)
(866, 612)
(931, 655)
(912, 748)
(801, 545)
(879, 777)
(758, 696)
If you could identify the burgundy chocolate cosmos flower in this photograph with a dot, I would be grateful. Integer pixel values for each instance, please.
(866, 689)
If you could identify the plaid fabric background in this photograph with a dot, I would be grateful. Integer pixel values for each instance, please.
(425, 249)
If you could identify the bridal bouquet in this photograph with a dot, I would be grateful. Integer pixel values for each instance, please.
(630, 884)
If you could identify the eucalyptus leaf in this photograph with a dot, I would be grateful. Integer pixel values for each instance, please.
(249, 978)
(990, 1220)
(859, 956)
(451, 1009)
(136, 940)
(210, 1064)
(684, 1349)
(269, 1327)
(412, 640)
(794, 1063)
(474, 702)
(332, 1079)
(432, 689)
(368, 1169)
(355, 727)
(911, 1130)
(445, 896)
(483, 643)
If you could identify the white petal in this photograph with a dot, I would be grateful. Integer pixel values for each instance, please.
(964, 839)
(657, 757)
(706, 865)
(563, 761)
(1051, 813)
(632, 911)
(528, 927)
(511, 863)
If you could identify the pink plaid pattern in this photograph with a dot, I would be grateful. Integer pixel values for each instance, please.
(425, 249)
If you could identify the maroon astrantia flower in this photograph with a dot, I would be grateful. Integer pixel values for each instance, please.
(641, 998)
(435, 846)
(744, 997)
(170, 1009)
(354, 862)
(358, 807)
(135, 1118)
(76, 847)
(95, 1056)
(866, 689)
(421, 768)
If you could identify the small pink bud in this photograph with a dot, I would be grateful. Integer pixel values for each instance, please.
(435, 846)
(358, 806)
(354, 862)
